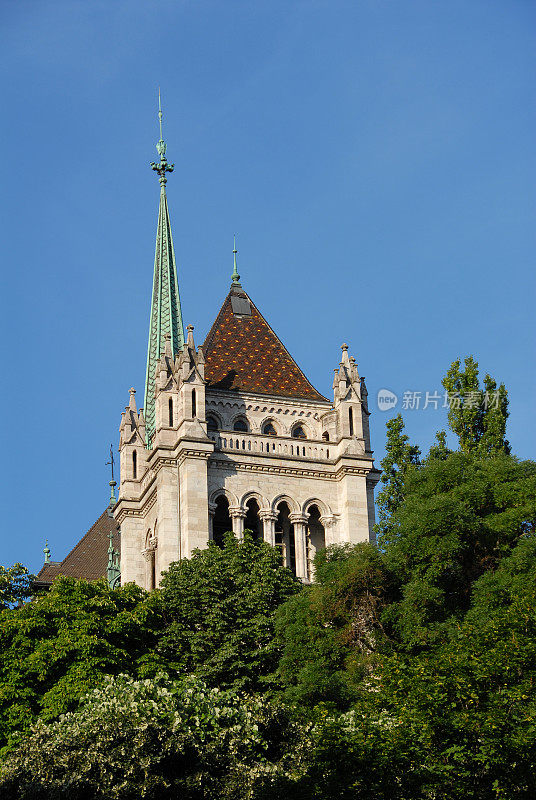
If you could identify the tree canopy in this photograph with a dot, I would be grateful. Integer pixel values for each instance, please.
(407, 671)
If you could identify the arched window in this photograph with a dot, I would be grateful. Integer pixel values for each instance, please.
(134, 464)
(222, 523)
(325, 436)
(170, 410)
(316, 538)
(351, 420)
(240, 425)
(298, 432)
(284, 536)
(268, 428)
(194, 405)
(212, 424)
(252, 522)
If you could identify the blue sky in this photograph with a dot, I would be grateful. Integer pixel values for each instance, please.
(375, 159)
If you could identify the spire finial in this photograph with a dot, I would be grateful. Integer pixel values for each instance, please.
(46, 551)
(113, 483)
(235, 276)
(161, 146)
(160, 116)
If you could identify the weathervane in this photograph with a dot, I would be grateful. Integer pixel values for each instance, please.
(113, 483)
(163, 166)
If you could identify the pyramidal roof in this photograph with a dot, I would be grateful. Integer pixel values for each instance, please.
(242, 353)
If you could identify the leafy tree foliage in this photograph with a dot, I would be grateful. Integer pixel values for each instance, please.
(331, 631)
(55, 648)
(155, 738)
(400, 458)
(15, 585)
(220, 605)
(478, 416)
(405, 672)
(460, 517)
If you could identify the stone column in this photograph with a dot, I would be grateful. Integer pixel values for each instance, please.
(211, 512)
(299, 521)
(269, 518)
(238, 515)
(328, 521)
(149, 568)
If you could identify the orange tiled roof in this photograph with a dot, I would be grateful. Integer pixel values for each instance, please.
(242, 353)
(89, 558)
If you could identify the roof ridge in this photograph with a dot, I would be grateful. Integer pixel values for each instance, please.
(215, 324)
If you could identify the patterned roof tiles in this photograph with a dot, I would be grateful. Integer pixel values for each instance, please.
(242, 353)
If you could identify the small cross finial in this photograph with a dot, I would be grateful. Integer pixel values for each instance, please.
(46, 551)
(235, 276)
(161, 146)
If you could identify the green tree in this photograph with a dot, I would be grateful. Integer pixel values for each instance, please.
(331, 632)
(154, 738)
(220, 606)
(55, 648)
(476, 415)
(465, 708)
(461, 515)
(15, 585)
(400, 458)
(439, 449)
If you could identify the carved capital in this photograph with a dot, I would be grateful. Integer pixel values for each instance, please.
(237, 512)
(298, 519)
(327, 520)
(148, 554)
(268, 515)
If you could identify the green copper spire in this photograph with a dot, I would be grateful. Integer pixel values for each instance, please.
(166, 314)
(235, 276)
(46, 551)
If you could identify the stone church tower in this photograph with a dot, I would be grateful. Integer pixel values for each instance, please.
(233, 436)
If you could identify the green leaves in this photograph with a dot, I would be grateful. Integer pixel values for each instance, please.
(220, 608)
(400, 458)
(56, 647)
(476, 415)
(15, 585)
(155, 738)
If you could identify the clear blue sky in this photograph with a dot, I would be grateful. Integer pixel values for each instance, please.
(376, 160)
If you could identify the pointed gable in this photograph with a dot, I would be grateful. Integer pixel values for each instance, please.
(242, 353)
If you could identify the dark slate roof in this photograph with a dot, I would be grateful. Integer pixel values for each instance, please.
(89, 558)
(242, 353)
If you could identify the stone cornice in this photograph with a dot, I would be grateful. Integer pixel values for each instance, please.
(133, 508)
(270, 404)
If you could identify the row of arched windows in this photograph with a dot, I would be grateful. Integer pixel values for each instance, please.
(284, 530)
(240, 424)
(268, 427)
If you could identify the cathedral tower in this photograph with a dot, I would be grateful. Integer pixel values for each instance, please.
(233, 436)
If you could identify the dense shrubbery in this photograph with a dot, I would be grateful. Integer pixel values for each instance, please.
(405, 672)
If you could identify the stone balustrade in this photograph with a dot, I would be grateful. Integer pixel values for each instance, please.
(274, 446)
